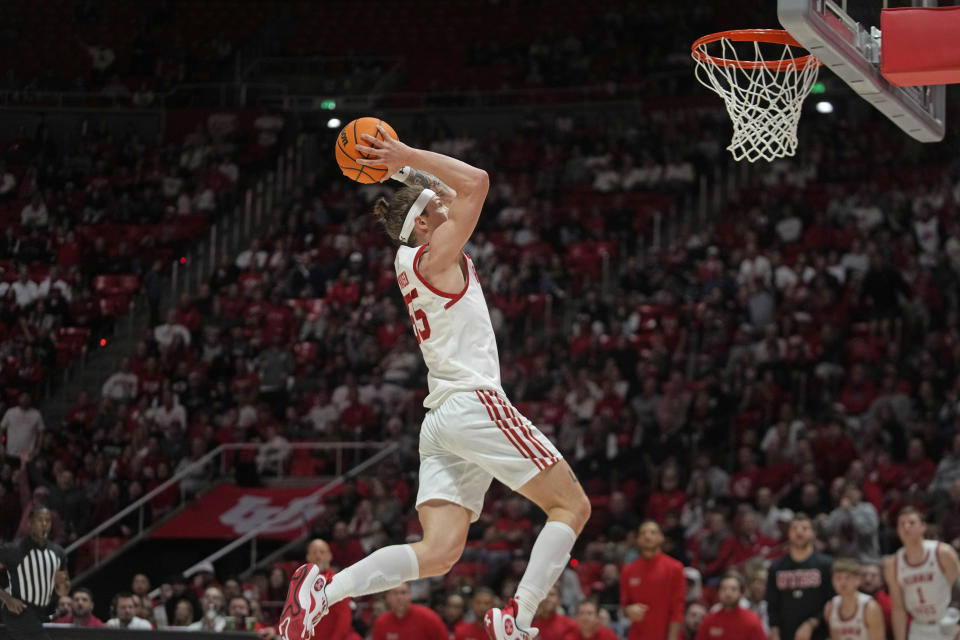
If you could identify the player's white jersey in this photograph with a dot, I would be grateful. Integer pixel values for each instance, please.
(453, 329)
(926, 592)
(852, 628)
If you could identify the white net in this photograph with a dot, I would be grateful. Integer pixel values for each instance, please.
(763, 102)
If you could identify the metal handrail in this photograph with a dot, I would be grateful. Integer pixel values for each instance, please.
(133, 506)
(388, 448)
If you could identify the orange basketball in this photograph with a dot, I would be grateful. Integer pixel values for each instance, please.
(347, 154)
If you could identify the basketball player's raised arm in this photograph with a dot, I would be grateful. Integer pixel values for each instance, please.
(469, 184)
(898, 615)
(873, 616)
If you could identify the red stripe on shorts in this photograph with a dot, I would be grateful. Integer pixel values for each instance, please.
(490, 411)
(510, 411)
(505, 428)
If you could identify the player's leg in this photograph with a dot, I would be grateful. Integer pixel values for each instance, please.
(556, 491)
(501, 440)
(445, 526)
(310, 597)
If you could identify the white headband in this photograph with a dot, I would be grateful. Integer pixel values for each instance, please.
(415, 209)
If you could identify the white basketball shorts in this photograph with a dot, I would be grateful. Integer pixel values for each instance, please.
(473, 437)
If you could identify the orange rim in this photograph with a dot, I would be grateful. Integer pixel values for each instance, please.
(772, 36)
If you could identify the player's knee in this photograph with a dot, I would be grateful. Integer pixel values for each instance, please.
(443, 557)
(581, 510)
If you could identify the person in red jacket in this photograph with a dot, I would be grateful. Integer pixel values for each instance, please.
(482, 601)
(588, 625)
(731, 621)
(653, 589)
(405, 620)
(552, 625)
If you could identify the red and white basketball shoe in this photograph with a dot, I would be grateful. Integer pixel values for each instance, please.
(306, 603)
(501, 624)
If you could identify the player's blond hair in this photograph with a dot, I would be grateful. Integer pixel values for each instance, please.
(391, 213)
(847, 565)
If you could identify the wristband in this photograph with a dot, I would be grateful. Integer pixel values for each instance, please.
(402, 175)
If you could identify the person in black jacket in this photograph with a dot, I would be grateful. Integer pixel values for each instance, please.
(798, 586)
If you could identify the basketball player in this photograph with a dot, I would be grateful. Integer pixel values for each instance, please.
(920, 576)
(471, 433)
(852, 615)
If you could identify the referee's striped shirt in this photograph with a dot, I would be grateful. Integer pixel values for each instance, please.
(32, 570)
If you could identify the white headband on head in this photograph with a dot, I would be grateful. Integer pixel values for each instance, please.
(415, 209)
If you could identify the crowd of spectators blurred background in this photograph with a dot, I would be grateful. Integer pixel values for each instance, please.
(794, 352)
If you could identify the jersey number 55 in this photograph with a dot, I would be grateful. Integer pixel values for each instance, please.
(423, 328)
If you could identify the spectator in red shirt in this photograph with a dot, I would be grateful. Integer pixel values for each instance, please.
(859, 392)
(512, 531)
(482, 601)
(919, 469)
(833, 452)
(407, 621)
(715, 549)
(653, 589)
(82, 610)
(588, 625)
(731, 621)
(345, 548)
(750, 543)
(552, 625)
(668, 498)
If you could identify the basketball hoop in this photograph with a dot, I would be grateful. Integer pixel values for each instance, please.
(763, 96)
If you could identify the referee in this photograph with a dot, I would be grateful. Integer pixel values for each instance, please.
(35, 569)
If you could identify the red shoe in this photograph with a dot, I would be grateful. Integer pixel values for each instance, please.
(306, 603)
(501, 624)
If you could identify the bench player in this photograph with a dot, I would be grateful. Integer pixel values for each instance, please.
(921, 575)
(852, 615)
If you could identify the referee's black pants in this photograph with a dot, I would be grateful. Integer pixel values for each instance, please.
(26, 626)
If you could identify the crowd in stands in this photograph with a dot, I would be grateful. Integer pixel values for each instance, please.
(795, 355)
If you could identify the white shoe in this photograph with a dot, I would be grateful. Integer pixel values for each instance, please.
(306, 603)
(501, 624)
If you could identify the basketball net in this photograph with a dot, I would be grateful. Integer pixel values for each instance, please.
(763, 97)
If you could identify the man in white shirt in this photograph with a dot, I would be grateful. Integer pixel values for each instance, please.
(25, 289)
(169, 413)
(164, 333)
(35, 213)
(22, 426)
(54, 280)
(8, 183)
(212, 604)
(124, 610)
(122, 385)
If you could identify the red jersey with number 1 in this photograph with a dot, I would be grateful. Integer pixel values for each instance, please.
(452, 327)
(659, 584)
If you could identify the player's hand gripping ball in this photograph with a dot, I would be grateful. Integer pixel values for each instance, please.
(347, 153)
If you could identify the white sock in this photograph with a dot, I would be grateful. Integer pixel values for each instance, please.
(382, 570)
(549, 556)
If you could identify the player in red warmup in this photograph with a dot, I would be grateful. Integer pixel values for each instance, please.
(588, 626)
(653, 589)
(471, 432)
(552, 625)
(731, 621)
(482, 601)
(407, 621)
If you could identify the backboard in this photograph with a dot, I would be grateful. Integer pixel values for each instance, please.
(845, 36)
